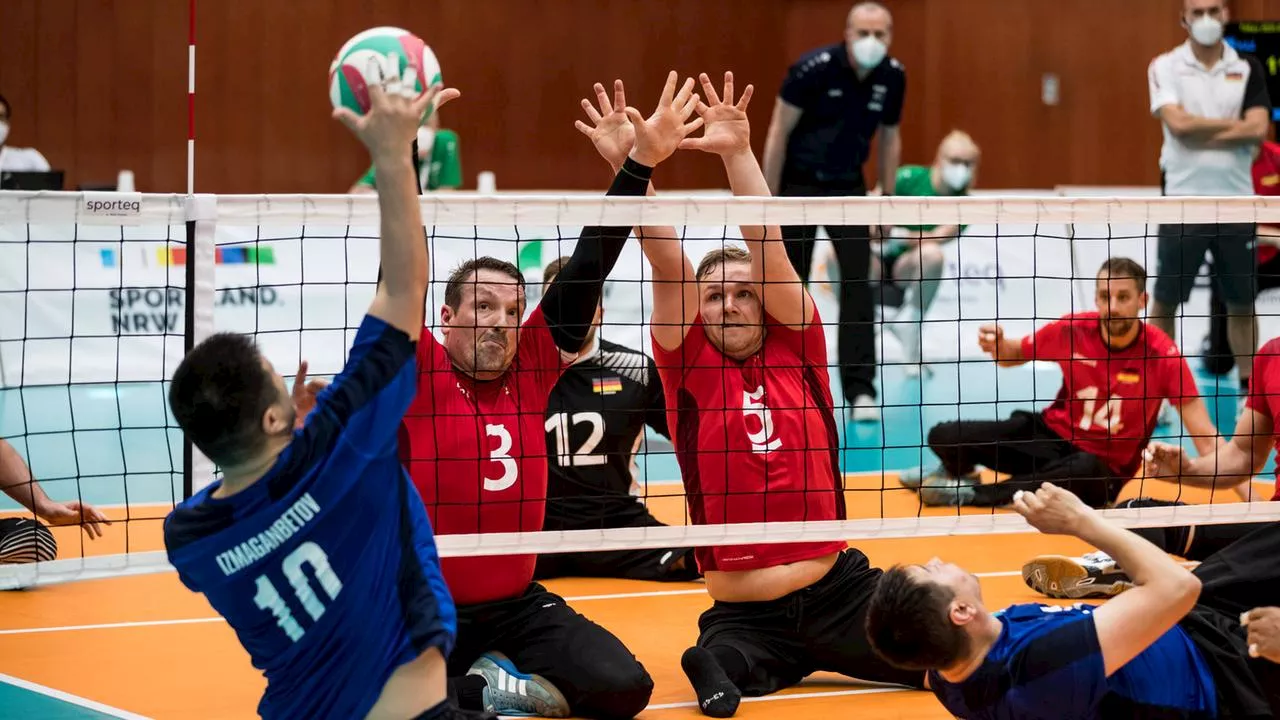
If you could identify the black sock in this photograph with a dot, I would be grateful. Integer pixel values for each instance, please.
(717, 695)
(468, 691)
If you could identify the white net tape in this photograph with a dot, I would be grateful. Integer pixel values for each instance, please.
(1024, 260)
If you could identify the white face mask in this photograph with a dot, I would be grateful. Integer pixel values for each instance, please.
(957, 176)
(4, 131)
(868, 51)
(1206, 30)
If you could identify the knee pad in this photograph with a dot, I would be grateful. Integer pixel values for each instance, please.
(23, 540)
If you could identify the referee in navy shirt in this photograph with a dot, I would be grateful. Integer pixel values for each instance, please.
(831, 105)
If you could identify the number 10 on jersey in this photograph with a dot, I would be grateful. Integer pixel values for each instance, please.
(269, 599)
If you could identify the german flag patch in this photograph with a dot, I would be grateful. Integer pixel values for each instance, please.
(1129, 377)
(607, 385)
(1235, 76)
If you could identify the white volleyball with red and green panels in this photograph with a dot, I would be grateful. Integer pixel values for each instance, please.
(349, 76)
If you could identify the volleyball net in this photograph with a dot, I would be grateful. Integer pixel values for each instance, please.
(101, 295)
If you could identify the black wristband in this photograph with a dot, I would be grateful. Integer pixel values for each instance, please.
(635, 169)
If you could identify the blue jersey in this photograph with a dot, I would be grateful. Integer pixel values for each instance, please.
(326, 567)
(1048, 664)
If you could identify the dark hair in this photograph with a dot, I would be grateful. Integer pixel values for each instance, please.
(218, 396)
(1118, 268)
(7, 107)
(724, 255)
(908, 623)
(553, 268)
(462, 274)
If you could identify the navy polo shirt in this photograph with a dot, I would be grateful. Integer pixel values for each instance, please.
(839, 114)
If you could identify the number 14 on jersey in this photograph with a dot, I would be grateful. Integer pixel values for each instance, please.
(1106, 417)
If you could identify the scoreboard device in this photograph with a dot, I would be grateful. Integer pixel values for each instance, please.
(1261, 39)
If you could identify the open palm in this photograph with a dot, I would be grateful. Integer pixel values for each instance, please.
(610, 129)
(725, 127)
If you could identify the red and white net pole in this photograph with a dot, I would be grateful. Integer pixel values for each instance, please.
(191, 99)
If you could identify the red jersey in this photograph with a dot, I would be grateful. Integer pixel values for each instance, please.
(1110, 399)
(1264, 391)
(1266, 181)
(756, 440)
(477, 452)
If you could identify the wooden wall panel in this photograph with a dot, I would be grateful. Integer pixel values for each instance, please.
(100, 85)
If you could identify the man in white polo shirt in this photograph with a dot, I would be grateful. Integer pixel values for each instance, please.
(15, 159)
(1214, 108)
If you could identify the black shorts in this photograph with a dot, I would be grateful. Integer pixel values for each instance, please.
(818, 628)
(542, 635)
(670, 565)
(1243, 576)
(1180, 251)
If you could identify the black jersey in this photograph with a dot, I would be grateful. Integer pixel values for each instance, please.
(595, 423)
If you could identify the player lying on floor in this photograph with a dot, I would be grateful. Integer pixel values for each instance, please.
(25, 539)
(1172, 647)
(313, 544)
(1116, 371)
(742, 356)
(911, 256)
(596, 418)
(476, 449)
(1231, 466)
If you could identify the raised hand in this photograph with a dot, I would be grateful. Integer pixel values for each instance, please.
(395, 110)
(990, 338)
(1052, 510)
(610, 129)
(725, 130)
(304, 394)
(660, 134)
(1164, 461)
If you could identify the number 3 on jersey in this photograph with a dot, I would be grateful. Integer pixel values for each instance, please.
(753, 406)
(1106, 417)
(269, 599)
(501, 456)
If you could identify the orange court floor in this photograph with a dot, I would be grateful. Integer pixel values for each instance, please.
(145, 646)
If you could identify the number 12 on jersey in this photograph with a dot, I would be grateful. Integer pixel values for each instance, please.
(269, 599)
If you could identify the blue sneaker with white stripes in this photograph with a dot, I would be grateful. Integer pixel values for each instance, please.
(513, 693)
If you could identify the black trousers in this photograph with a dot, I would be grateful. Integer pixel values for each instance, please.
(1240, 577)
(1024, 447)
(775, 644)
(856, 335)
(1218, 357)
(542, 635)
(666, 565)
(1198, 543)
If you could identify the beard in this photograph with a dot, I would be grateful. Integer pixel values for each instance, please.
(1120, 326)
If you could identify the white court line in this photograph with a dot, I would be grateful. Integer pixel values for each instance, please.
(791, 696)
(69, 698)
(196, 621)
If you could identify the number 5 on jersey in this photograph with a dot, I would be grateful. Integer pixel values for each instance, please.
(753, 407)
(269, 599)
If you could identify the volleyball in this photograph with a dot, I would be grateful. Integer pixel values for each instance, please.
(350, 72)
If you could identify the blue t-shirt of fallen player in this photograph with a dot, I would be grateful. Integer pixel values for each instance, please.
(1048, 664)
(326, 567)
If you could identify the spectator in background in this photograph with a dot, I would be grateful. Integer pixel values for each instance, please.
(439, 160)
(832, 103)
(1217, 344)
(16, 159)
(912, 255)
(1214, 109)
(23, 539)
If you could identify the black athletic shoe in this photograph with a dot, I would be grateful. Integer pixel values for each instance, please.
(1067, 578)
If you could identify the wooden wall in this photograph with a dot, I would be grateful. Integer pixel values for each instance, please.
(98, 85)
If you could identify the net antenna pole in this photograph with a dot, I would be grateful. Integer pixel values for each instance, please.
(189, 306)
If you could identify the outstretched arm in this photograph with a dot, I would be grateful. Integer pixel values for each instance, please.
(17, 483)
(728, 134)
(386, 130)
(675, 292)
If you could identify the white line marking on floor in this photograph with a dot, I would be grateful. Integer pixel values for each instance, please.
(570, 598)
(791, 696)
(69, 698)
